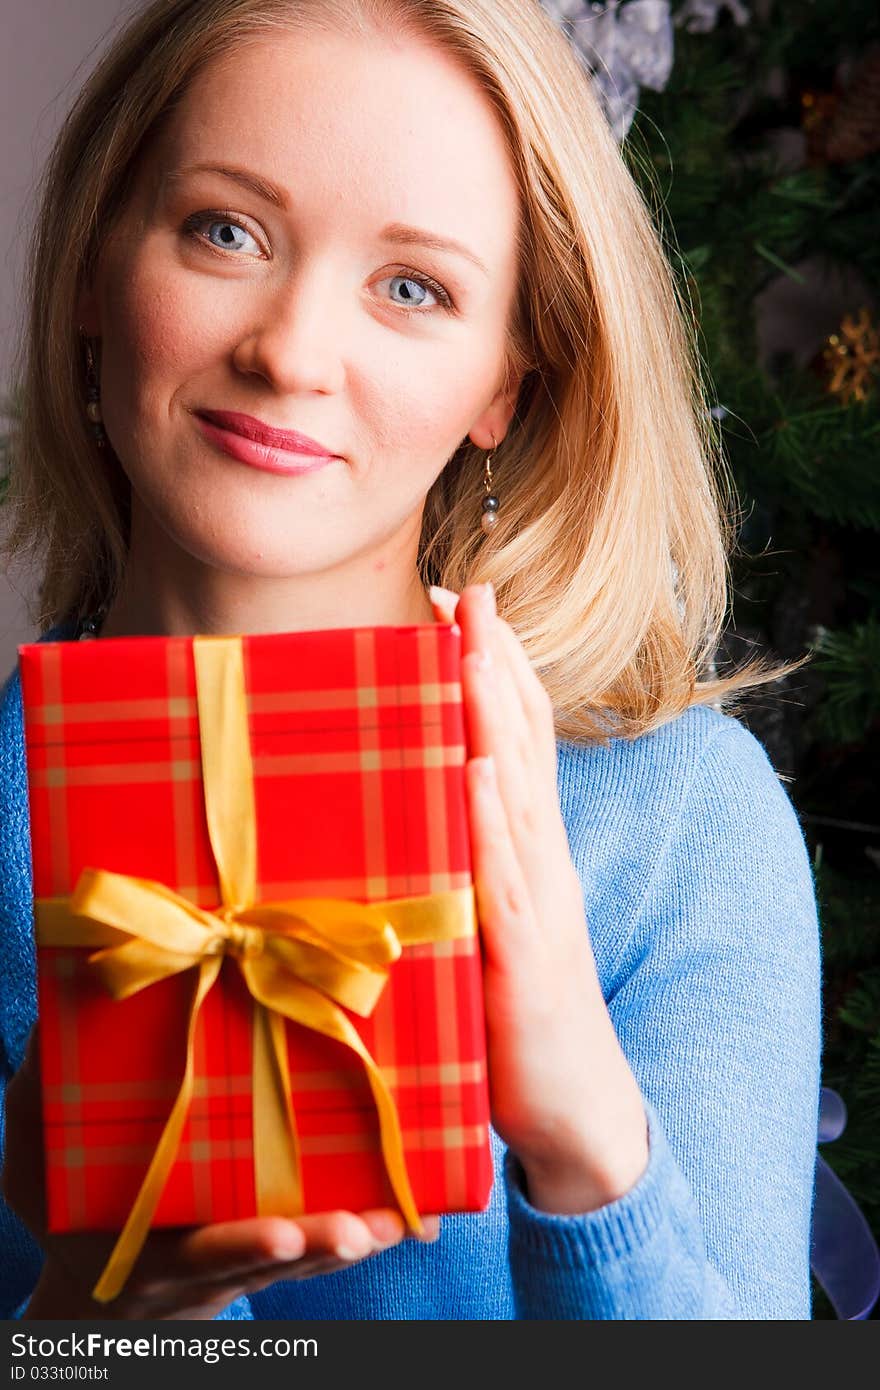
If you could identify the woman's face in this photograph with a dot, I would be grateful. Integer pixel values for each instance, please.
(298, 303)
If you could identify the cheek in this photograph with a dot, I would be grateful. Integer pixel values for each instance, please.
(152, 337)
(424, 403)
(168, 331)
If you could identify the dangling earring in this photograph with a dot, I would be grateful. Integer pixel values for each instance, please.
(489, 518)
(93, 396)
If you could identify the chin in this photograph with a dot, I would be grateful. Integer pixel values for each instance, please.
(233, 519)
(262, 553)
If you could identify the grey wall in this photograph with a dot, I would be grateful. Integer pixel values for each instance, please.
(47, 47)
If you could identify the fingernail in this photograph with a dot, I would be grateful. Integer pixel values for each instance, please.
(489, 593)
(482, 659)
(485, 769)
(289, 1246)
(385, 1230)
(347, 1252)
(442, 596)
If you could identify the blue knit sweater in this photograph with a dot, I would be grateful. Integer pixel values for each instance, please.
(702, 916)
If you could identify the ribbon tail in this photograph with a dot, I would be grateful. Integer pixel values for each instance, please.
(136, 1228)
(314, 1010)
(391, 1139)
(277, 1166)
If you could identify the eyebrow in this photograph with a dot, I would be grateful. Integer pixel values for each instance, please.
(396, 233)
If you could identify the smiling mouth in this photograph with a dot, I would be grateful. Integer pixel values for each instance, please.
(292, 441)
(256, 454)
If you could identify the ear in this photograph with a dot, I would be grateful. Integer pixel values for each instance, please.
(495, 419)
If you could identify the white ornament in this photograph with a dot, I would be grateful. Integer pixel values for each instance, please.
(624, 46)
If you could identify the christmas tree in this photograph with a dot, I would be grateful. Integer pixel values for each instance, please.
(760, 157)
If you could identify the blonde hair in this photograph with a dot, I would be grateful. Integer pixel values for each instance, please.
(610, 558)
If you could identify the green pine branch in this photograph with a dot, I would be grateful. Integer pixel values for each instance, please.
(849, 661)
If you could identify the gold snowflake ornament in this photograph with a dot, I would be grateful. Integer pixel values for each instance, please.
(852, 357)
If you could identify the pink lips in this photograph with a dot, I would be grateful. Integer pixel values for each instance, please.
(252, 442)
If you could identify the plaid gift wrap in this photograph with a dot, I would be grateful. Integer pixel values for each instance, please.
(357, 748)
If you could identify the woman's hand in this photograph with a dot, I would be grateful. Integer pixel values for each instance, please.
(180, 1273)
(563, 1096)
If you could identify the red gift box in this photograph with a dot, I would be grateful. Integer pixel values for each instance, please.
(357, 751)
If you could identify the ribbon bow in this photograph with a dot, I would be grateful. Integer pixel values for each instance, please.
(304, 959)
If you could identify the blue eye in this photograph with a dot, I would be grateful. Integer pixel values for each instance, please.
(227, 241)
(424, 282)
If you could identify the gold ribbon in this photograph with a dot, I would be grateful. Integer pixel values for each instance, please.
(304, 959)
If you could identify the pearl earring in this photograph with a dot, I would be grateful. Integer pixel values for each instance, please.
(490, 502)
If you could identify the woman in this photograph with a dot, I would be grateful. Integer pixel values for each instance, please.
(242, 224)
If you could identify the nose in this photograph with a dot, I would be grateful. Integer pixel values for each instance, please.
(293, 339)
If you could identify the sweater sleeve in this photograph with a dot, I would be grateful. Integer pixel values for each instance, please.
(716, 1003)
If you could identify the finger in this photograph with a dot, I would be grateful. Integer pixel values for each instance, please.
(504, 906)
(322, 1254)
(480, 729)
(495, 727)
(490, 699)
(533, 697)
(527, 759)
(335, 1233)
(506, 735)
(199, 1294)
(430, 1230)
(229, 1252)
(174, 1258)
(386, 1226)
(533, 694)
(476, 615)
(204, 1298)
(526, 777)
(201, 1262)
(535, 700)
(481, 633)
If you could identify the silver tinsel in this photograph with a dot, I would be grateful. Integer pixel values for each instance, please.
(629, 44)
(623, 46)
